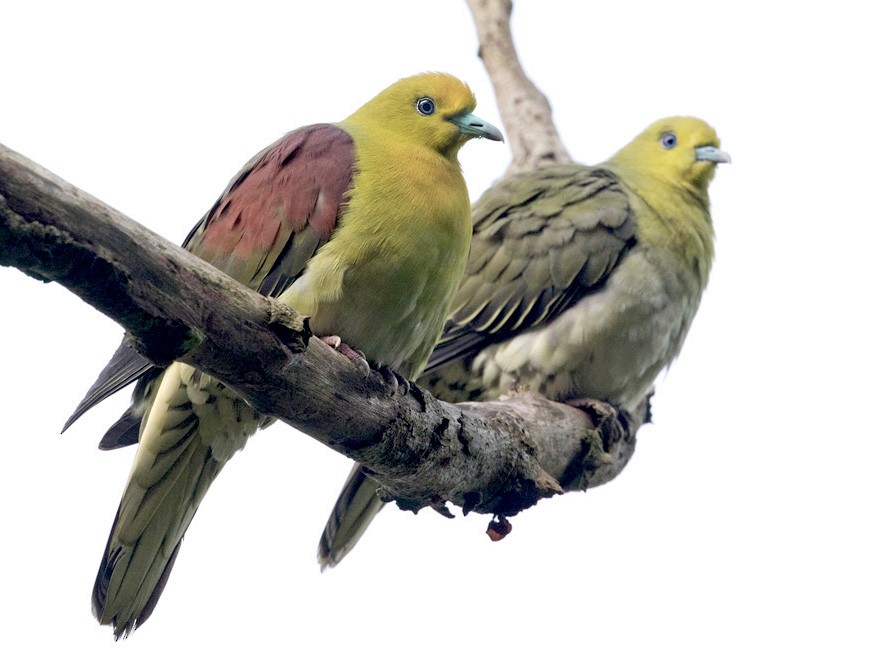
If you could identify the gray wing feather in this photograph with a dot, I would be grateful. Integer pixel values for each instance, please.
(125, 366)
(542, 240)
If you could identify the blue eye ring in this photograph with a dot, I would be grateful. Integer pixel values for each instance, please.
(669, 140)
(425, 106)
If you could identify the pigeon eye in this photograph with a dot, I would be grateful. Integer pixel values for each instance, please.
(425, 106)
(669, 140)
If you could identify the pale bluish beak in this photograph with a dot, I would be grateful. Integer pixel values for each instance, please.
(472, 125)
(711, 153)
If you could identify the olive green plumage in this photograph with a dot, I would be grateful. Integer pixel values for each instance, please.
(582, 282)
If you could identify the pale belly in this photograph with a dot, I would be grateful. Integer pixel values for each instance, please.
(610, 346)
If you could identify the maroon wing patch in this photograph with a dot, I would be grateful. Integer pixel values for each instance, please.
(263, 230)
(281, 208)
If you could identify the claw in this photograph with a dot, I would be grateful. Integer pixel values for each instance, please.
(404, 386)
(356, 356)
(395, 382)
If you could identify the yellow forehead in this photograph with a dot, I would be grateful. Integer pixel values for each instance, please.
(690, 131)
(451, 94)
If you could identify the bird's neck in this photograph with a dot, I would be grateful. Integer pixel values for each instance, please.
(682, 223)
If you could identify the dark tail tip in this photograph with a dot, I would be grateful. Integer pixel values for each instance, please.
(122, 628)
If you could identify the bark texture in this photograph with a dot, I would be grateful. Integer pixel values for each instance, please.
(526, 113)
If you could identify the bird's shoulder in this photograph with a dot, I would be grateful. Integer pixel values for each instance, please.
(279, 209)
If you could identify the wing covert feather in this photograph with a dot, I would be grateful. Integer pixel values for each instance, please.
(265, 227)
(542, 241)
(281, 208)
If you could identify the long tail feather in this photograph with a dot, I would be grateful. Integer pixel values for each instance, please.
(193, 426)
(356, 507)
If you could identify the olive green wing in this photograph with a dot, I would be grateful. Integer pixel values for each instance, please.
(542, 241)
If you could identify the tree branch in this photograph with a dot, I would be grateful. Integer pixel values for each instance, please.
(526, 113)
(497, 458)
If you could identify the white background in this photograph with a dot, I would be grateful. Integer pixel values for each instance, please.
(744, 524)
